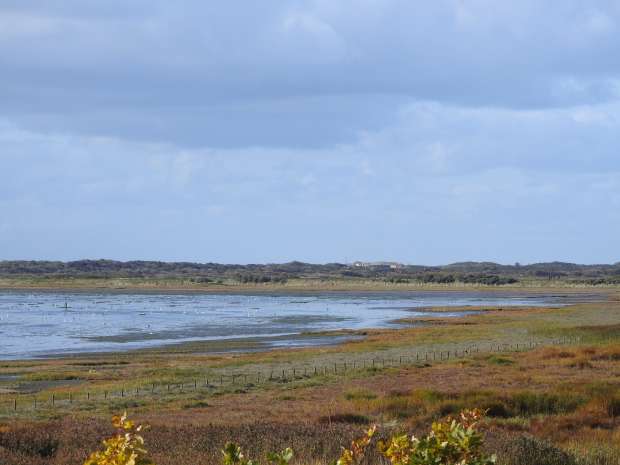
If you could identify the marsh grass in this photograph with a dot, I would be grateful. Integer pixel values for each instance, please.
(566, 394)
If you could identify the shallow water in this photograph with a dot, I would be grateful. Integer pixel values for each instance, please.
(40, 324)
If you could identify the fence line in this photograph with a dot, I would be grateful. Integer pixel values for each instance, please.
(33, 402)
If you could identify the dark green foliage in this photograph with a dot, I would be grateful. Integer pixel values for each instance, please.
(528, 450)
(351, 418)
(205, 273)
(534, 403)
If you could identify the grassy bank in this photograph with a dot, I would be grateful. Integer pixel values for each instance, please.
(291, 285)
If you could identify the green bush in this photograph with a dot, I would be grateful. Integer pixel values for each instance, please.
(534, 403)
(528, 450)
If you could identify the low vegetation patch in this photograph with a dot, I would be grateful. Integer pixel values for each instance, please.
(352, 418)
(499, 360)
(451, 441)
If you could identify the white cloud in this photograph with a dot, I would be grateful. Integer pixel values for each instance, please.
(302, 124)
(497, 177)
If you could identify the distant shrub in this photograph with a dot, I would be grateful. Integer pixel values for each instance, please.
(352, 418)
(613, 406)
(535, 403)
(528, 450)
(502, 361)
(360, 394)
(29, 442)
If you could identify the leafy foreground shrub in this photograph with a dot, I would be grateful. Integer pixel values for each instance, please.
(450, 442)
(125, 448)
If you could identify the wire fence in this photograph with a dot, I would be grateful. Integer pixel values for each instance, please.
(211, 384)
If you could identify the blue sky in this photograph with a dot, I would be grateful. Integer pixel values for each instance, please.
(423, 132)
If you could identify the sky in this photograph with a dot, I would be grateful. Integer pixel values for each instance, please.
(314, 130)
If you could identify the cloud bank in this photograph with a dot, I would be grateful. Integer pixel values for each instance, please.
(312, 130)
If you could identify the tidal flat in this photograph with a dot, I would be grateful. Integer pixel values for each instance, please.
(40, 324)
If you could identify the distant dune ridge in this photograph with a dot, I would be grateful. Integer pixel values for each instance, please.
(393, 272)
